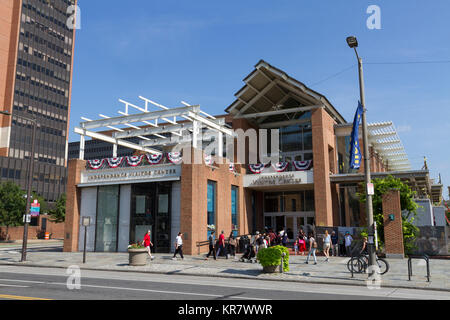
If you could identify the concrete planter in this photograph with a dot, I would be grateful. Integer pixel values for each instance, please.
(137, 257)
(271, 269)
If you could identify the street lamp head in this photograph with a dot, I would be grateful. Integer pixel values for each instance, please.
(352, 42)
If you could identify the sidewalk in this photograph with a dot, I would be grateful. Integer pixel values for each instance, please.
(333, 272)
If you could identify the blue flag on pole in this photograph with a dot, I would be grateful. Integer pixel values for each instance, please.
(355, 151)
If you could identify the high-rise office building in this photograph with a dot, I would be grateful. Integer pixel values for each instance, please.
(36, 63)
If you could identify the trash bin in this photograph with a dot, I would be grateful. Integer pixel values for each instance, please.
(243, 242)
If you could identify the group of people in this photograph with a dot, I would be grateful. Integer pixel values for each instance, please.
(221, 245)
(147, 243)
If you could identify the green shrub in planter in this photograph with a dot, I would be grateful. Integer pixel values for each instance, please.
(272, 257)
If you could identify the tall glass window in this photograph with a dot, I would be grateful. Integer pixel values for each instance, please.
(211, 205)
(107, 218)
(296, 142)
(292, 201)
(234, 209)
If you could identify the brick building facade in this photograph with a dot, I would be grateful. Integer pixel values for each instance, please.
(309, 185)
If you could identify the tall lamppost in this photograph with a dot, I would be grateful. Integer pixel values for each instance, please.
(353, 43)
(30, 182)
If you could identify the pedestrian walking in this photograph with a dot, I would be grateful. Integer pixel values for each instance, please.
(222, 246)
(302, 242)
(232, 244)
(296, 246)
(147, 243)
(334, 244)
(326, 245)
(312, 248)
(178, 246)
(212, 248)
(348, 242)
(284, 239)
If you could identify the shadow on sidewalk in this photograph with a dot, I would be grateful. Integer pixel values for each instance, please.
(242, 272)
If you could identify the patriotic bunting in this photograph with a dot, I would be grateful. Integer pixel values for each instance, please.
(280, 166)
(175, 157)
(154, 158)
(134, 161)
(95, 164)
(302, 165)
(231, 167)
(208, 160)
(256, 168)
(114, 162)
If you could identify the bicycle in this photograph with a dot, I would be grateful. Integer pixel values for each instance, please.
(359, 264)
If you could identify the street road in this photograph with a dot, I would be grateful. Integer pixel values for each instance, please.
(54, 283)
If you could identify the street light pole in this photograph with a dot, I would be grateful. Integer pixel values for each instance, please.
(353, 43)
(30, 183)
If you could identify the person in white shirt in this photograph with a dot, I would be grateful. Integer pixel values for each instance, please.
(178, 246)
(348, 242)
(326, 245)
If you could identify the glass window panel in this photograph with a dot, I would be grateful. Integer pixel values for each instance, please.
(309, 200)
(211, 199)
(107, 218)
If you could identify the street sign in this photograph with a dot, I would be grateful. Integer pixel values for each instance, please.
(35, 208)
(370, 189)
(85, 221)
(26, 218)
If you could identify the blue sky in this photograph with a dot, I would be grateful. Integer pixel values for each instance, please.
(199, 51)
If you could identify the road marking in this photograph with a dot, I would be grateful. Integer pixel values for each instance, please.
(160, 291)
(7, 296)
(12, 285)
(14, 280)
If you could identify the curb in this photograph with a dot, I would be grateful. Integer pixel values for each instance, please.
(359, 283)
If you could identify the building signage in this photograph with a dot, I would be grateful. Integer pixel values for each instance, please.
(128, 175)
(275, 179)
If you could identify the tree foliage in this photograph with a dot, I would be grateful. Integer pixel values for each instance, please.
(58, 213)
(12, 204)
(407, 204)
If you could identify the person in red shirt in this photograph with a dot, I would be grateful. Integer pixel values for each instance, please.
(222, 246)
(147, 243)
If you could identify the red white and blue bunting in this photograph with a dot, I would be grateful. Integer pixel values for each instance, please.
(208, 160)
(175, 157)
(114, 162)
(256, 168)
(231, 167)
(95, 164)
(154, 158)
(302, 165)
(280, 166)
(134, 161)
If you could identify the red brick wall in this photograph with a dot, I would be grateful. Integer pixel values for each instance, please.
(323, 139)
(56, 230)
(393, 234)
(74, 168)
(194, 179)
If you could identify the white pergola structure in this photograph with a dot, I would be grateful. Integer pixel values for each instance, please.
(149, 126)
(385, 141)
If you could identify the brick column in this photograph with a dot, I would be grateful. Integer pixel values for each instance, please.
(73, 202)
(393, 233)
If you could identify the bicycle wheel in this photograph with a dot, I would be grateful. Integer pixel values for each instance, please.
(355, 265)
(383, 266)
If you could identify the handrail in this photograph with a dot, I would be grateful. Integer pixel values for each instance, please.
(426, 258)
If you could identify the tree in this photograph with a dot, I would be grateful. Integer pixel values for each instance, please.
(58, 213)
(407, 204)
(12, 205)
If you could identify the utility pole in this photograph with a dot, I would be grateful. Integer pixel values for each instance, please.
(353, 43)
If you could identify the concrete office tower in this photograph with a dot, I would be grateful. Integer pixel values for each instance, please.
(36, 59)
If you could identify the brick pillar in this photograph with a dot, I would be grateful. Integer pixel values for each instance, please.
(73, 203)
(393, 233)
(323, 140)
